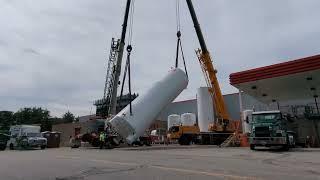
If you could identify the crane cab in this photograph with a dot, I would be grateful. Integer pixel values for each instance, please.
(185, 135)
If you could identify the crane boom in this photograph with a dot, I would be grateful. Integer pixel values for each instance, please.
(113, 110)
(197, 27)
(209, 71)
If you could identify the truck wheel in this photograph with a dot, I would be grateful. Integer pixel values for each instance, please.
(147, 143)
(43, 147)
(184, 140)
(285, 147)
(2, 147)
(109, 146)
(11, 146)
(252, 146)
(74, 146)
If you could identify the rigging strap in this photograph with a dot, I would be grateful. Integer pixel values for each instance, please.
(127, 70)
(129, 49)
(184, 61)
(177, 50)
(179, 43)
(180, 48)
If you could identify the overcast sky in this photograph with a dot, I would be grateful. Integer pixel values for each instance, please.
(53, 52)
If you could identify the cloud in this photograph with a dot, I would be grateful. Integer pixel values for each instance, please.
(54, 53)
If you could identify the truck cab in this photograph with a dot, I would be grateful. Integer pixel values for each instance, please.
(269, 128)
(185, 135)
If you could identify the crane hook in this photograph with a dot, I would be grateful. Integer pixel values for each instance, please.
(129, 48)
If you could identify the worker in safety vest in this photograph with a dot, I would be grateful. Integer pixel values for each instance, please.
(102, 138)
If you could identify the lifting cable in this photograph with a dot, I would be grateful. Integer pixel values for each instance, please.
(179, 43)
(127, 66)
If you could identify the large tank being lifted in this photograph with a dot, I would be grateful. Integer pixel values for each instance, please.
(146, 107)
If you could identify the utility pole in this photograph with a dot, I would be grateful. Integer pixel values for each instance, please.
(119, 60)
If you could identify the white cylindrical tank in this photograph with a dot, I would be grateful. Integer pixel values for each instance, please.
(173, 119)
(146, 107)
(188, 119)
(246, 121)
(205, 109)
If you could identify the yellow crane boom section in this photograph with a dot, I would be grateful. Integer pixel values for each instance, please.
(213, 84)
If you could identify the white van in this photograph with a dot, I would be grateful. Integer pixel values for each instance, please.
(26, 136)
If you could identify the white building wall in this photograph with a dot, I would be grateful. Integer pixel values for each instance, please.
(231, 100)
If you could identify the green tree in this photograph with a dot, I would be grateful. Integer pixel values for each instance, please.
(56, 120)
(68, 117)
(34, 115)
(6, 120)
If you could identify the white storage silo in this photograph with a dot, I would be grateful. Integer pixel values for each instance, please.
(188, 119)
(173, 119)
(205, 109)
(146, 107)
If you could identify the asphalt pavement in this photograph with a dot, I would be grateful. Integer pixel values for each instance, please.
(159, 162)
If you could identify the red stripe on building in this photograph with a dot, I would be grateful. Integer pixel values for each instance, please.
(276, 70)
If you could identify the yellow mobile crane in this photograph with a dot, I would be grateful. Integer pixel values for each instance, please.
(210, 76)
(221, 126)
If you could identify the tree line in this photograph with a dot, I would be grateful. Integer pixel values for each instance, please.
(33, 115)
